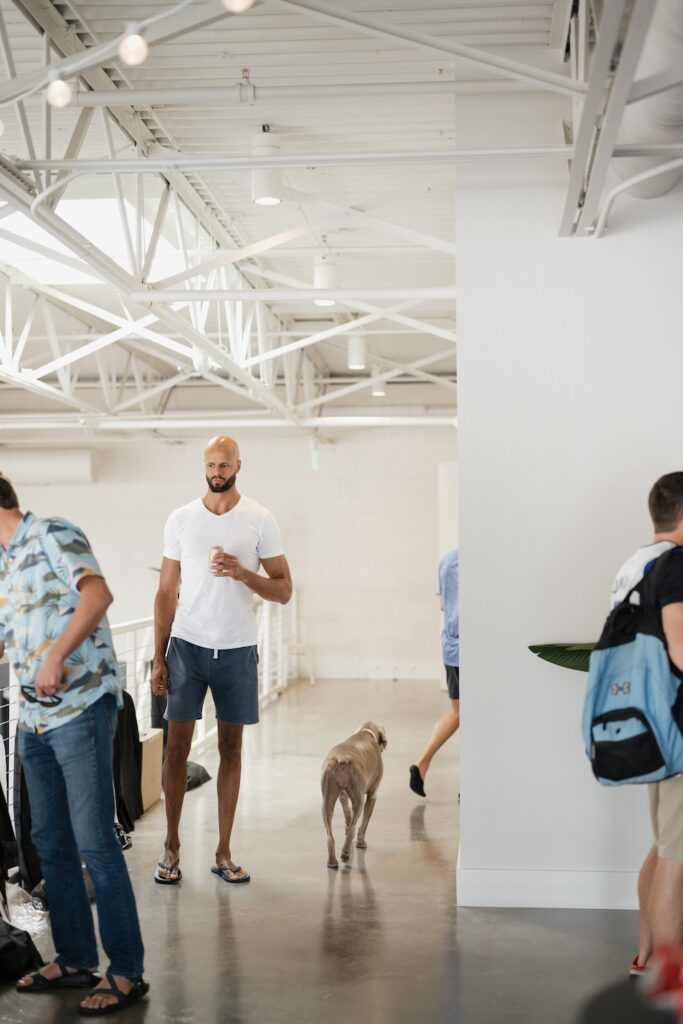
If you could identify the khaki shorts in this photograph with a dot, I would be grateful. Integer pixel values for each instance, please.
(666, 812)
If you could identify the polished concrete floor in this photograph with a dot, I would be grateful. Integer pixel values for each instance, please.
(380, 940)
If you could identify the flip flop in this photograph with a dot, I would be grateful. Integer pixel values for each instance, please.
(416, 781)
(224, 871)
(168, 867)
(77, 979)
(123, 999)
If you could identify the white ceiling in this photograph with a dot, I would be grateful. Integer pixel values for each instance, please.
(388, 227)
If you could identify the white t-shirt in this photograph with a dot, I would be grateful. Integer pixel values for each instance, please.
(213, 611)
(633, 569)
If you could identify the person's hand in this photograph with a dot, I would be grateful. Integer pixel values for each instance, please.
(50, 677)
(159, 678)
(228, 565)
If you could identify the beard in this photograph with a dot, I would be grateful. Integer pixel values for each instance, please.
(221, 488)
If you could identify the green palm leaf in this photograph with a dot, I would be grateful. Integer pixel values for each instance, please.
(576, 656)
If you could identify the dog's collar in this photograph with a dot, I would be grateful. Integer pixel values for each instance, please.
(372, 734)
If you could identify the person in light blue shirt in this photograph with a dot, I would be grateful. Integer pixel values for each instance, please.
(448, 724)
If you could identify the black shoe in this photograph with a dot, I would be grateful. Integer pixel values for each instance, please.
(416, 783)
(122, 836)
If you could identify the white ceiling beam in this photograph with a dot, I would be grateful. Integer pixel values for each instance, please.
(120, 198)
(222, 421)
(341, 214)
(394, 315)
(344, 295)
(480, 58)
(351, 389)
(96, 345)
(24, 126)
(662, 81)
(43, 250)
(158, 389)
(225, 258)
(25, 332)
(157, 228)
(246, 93)
(166, 165)
(73, 148)
(18, 379)
(324, 335)
(559, 26)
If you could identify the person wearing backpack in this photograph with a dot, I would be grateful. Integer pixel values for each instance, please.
(660, 882)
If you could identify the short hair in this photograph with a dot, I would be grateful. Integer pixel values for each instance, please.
(8, 498)
(666, 502)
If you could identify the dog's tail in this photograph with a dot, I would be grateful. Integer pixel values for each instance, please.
(341, 773)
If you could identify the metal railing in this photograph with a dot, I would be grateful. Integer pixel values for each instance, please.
(282, 657)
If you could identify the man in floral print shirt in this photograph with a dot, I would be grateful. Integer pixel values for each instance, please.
(53, 600)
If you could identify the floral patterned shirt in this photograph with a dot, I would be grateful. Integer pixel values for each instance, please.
(39, 576)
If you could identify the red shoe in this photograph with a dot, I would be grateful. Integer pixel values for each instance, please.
(663, 983)
(635, 970)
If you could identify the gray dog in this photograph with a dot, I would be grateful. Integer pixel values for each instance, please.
(352, 772)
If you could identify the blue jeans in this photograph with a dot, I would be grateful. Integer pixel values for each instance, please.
(70, 784)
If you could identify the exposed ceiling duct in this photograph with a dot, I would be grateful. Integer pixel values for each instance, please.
(658, 118)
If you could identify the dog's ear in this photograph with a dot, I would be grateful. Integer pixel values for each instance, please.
(381, 737)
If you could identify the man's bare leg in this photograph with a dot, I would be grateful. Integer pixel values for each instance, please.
(645, 878)
(446, 726)
(665, 904)
(175, 785)
(229, 774)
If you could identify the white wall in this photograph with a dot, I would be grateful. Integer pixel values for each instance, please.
(361, 534)
(570, 370)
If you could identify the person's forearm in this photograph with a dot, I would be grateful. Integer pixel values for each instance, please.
(88, 613)
(164, 613)
(270, 589)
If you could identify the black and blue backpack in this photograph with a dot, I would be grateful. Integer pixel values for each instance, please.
(633, 710)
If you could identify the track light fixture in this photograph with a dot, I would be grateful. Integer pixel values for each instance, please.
(356, 351)
(324, 276)
(237, 6)
(58, 92)
(378, 389)
(266, 182)
(133, 48)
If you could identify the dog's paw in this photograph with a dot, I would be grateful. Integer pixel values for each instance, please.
(346, 857)
(361, 844)
(332, 864)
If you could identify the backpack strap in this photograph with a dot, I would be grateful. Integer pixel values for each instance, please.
(652, 578)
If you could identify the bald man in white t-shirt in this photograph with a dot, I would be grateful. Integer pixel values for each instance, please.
(205, 637)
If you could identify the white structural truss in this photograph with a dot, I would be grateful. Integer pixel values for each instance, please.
(140, 286)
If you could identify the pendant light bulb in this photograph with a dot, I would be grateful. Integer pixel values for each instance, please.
(356, 351)
(58, 93)
(133, 48)
(237, 6)
(378, 390)
(266, 182)
(325, 277)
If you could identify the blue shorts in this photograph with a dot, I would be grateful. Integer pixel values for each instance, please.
(232, 677)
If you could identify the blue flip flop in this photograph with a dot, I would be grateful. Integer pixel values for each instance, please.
(224, 871)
